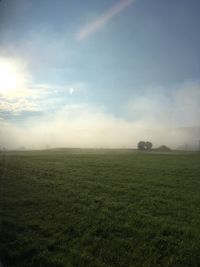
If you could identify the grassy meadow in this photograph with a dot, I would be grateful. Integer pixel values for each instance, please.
(99, 208)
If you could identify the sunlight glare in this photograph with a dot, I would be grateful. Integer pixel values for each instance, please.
(12, 77)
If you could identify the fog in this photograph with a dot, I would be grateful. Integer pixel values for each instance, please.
(83, 126)
(163, 115)
(49, 77)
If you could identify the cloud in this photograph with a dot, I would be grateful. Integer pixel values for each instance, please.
(66, 88)
(71, 90)
(19, 106)
(16, 93)
(162, 115)
(167, 107)
(90, 126)
(101, 21)
(19, 93)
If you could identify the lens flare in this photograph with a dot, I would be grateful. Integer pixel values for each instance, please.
(12, 77)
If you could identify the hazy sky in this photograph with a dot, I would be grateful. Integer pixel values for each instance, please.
(98, 73)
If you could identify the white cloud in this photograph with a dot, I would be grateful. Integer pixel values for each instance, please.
(52, 88)
(19, 106)
(89, 126)
(19, 93)
(16, 90)
(157, 115)
(168, 107)
(71, 90)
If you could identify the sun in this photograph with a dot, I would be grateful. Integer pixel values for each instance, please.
(11, 77)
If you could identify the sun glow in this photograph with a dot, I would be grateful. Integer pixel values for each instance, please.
(12, 77)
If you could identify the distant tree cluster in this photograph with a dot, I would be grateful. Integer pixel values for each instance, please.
(163, 148)
(142, 145)
(147, 146)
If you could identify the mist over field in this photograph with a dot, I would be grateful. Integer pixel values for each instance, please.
(99, 133)
(160, 115)
(81, 126)
(98, 75)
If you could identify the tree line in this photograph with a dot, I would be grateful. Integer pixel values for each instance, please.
(142, 145)
(147, 146)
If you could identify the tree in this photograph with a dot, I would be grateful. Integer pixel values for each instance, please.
(163, 148)
(141, 145)
(148, 145)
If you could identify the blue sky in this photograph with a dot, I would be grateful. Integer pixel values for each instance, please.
(137, 61)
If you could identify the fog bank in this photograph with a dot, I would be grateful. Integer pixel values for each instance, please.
(80, 126)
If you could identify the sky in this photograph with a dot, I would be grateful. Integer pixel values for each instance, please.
(96, 73)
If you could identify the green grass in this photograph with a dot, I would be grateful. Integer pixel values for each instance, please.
(100, 208)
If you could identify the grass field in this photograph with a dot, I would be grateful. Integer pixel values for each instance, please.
(100, 208)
